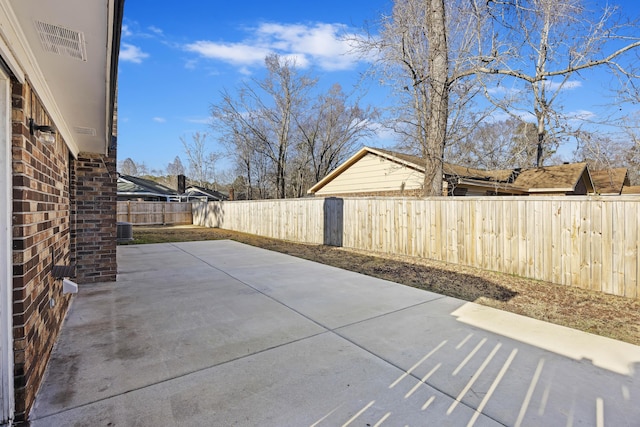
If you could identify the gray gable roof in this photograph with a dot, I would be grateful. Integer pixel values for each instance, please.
(133, 185)
(196, 191)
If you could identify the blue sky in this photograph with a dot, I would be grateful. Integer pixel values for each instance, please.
(177, 57)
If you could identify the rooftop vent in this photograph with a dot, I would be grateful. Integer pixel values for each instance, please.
(62, 41)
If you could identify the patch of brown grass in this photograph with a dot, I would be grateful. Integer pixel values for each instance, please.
(590, 311)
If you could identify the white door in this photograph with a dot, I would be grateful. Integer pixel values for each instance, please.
(6, 206)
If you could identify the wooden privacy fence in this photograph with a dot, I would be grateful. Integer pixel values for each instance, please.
(297, 220)
(587, 242)
(154, 213)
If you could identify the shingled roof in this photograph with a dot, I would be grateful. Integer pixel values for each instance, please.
(610, 181)
(499, 175)
(571, 178)
(133, 186)
(550, 179)
(203, 193)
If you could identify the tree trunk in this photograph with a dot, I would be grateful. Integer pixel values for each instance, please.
(438, 58)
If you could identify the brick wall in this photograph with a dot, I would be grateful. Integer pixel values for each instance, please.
(94, 208)
(41, 235)
(64, 211)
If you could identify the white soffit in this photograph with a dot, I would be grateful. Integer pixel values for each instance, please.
(62, 41)
(64, 49)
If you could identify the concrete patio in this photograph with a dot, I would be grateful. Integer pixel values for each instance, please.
(223, 334)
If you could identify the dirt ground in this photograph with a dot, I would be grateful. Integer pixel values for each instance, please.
(594, 312)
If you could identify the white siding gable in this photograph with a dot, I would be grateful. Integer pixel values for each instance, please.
(373, 173)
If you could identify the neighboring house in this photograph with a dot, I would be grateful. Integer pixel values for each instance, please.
(196, 192)
(569, 179)
(58, 70)
(458, 180)
(609, 182)
(139, 189)
(373, 171)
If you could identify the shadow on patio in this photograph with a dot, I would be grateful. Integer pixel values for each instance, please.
(221, 333)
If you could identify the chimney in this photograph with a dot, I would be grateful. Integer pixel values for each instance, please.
(181, 184)
(231, 193)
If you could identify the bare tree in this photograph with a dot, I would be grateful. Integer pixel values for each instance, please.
(201, 160)
(331, 131)
(261, 116)
(546, 43)
(505, 144)
(128, 167)
(435, 50)
(430, 50)
(175, 167)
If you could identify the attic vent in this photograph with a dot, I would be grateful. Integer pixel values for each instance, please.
(62, 41)
(85, 131)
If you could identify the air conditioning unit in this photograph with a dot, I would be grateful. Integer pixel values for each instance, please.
(124, 231)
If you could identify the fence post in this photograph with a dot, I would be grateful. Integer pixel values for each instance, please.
(129, 211)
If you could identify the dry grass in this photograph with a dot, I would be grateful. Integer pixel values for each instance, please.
(594, 312)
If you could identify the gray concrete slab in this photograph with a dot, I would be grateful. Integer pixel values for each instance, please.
(220, 333)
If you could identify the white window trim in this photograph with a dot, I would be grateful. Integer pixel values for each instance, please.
(7, 404)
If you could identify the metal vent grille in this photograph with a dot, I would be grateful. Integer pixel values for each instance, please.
(62, 41)
(85, 131)
(124, 231)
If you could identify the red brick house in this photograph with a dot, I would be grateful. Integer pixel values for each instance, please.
(58, 74)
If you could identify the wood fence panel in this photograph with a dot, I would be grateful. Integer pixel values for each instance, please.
(630, 250)
(589, 242)
(499, 230)
(478, 234)
(618, 249)
(154, 213)
(556, 242)
(596, 246)
(585, 244)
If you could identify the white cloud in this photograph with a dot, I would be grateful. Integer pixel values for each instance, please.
(580, 115)
(200, 120)
(318, 44)
(131, 53)
(245, 71)
(383, 135)
(155, 30)
(191, 64)
(504, 91)
(234, 53)
(126, 32)
(569, 85)
(159, 119)
(326, 44)
(500, 116)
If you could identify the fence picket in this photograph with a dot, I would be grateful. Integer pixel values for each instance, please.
(590, 242)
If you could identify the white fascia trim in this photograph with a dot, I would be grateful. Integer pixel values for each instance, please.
(107, 88)
(26, 68)
(551, 190)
